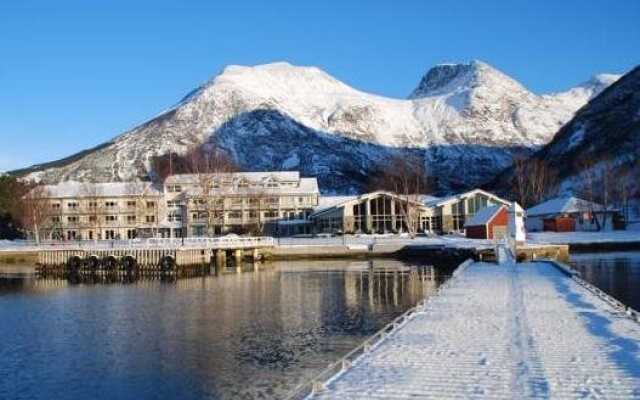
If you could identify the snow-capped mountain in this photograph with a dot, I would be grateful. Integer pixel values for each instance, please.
(608, 128)
(466, 120)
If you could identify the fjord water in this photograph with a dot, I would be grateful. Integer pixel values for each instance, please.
(250, 335)
(616, 273)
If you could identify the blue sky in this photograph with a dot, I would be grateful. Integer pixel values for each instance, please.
(76, 73)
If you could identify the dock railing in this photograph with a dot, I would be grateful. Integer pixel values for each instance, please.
(612, 301)
(319, 382)
(221, 242)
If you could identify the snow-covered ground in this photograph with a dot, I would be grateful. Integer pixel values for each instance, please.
(507, 332)
(583, 237)
(453, 240)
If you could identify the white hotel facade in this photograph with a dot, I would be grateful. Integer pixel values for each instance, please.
(185, 205)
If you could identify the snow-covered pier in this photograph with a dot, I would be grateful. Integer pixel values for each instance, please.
(517, 331)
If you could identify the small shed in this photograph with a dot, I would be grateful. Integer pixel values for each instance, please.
(488, 223)
(568, 214)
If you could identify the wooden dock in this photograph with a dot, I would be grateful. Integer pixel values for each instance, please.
(154, 255)
(527, 330)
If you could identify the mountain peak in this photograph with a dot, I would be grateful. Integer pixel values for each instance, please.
(600, 82)
(445, 79)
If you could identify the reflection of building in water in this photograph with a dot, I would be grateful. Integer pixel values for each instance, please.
(388, 282)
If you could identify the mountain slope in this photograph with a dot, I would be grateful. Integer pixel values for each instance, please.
(608, 128)
(278, 116)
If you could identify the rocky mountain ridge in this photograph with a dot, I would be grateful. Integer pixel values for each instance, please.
(466, 121)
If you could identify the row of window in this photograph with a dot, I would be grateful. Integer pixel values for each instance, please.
(108, 204)
(251, 201)
(172, 188)
(107, 218)
(248, 215)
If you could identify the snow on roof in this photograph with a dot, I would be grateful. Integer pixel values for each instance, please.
(282, 176)
(457, 197)
(110, 189)
(327, 202)
(484, 216)
(427, 199)
(562, 205)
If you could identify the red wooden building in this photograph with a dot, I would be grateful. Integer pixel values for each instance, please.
(488, 223)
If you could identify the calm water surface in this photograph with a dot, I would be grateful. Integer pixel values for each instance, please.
(617, 273)
(250, 335)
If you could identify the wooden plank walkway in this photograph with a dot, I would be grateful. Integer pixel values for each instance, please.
(503, 332)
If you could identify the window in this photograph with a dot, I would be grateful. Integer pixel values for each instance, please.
(110, 218)
(271, 214)
(72, 219)
(301, 200)
(131, 218)
(235, 214)
(199, 215)
(92, 218)
(55, 219)
(131, 233)
(72, 205)
(93, 204)
(174, 188)
(151, 204)
(150, 218)
(131, 203)
(109, 234)
(173, 203)
(287, 200)
(55, 206)
(110, 204)
(174, 218)
(236, 200)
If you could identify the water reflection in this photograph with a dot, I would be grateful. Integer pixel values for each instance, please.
(255, 334)
(617, 273)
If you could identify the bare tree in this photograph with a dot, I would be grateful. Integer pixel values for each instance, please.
(91, 208)
(607, 186)
(36, 211)
(533, 181)
(407, 176)
(212, 169)
(520, 183)
(544, 180)
(600, 185)
(585, 164)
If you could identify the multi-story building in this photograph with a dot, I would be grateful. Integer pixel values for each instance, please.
(73, 210)
(274, 203)
(271, 203)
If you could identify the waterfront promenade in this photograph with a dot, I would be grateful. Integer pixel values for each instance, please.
(517, 331)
